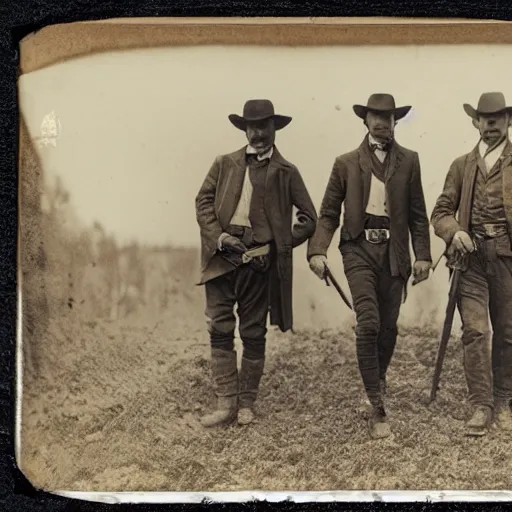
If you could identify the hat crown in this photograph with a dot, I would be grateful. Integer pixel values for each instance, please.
(381, 101)
(490, 102)
(258, 109)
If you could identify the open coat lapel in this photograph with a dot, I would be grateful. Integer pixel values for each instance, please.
(233, 189)
(506, 161)
(365, 165)
(468, 186)
(395, 159)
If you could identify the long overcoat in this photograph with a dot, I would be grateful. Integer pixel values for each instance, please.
(216, 202)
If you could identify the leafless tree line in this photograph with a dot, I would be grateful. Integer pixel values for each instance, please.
(85, 273)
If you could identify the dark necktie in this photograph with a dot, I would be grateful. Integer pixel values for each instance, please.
(253, 160)
(382, 146)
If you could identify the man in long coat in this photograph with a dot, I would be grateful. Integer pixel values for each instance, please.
(474, 211)
(245, 213)
(379, 184)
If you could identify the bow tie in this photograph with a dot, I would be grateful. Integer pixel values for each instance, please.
(254, 158)
(382, 146)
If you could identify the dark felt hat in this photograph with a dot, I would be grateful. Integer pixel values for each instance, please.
(380, 102)
(258, 110)
(489, 103)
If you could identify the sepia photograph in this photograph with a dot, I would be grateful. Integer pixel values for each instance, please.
(264, 267)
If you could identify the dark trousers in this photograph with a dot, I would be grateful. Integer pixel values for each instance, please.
(376, 297)
(249, 290)
(486, 291)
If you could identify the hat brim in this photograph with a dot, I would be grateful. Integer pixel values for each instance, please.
(241, 123)
(400, 112)
(474, 113)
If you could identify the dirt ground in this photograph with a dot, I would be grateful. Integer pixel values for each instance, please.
(117, 407)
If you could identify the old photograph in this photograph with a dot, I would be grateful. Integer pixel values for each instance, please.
(273, 268)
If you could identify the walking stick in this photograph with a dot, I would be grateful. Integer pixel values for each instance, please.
(447, 328)
(329, 277)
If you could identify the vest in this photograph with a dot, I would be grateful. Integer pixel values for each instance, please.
(261, 230)
(488, 195)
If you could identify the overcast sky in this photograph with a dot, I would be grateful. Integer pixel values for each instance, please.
(140, 129)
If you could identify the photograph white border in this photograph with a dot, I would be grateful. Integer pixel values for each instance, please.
(153, 497)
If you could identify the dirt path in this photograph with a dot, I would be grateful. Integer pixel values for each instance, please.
(120, 410)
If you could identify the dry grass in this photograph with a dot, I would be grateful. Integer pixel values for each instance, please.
(114, 399)
(120, 412)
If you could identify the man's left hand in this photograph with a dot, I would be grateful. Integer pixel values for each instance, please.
(421, 271)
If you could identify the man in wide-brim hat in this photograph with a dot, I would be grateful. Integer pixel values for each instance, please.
(379, 184)
(244, 210)
(474, 211)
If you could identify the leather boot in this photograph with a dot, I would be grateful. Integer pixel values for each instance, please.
(225, 378)
(503, 413)
(250, 376)
(378, 423)
(479, 423)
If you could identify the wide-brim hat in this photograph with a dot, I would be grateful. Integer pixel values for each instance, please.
(381, 102)
(489, 103)
(259, 110)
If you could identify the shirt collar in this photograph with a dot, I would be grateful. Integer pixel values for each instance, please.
(372, 140)
(251, 151)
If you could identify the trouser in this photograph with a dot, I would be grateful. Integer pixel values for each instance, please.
(249, 290)
(486, 290)
(376, 297)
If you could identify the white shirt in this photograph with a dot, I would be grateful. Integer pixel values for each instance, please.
(241, 215)
(377, 198)
(491, 158)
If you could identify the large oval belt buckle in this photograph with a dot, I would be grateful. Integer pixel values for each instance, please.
(373, 236)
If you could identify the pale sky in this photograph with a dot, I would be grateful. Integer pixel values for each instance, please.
(140, 129)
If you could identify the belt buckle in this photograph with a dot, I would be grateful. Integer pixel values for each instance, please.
(376, 236)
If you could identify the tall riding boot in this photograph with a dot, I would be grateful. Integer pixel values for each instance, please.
(250, 377)
(225, 378)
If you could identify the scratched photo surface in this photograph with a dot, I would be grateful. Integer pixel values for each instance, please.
(118, 372)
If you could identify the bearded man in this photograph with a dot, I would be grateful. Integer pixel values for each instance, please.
(379, 184)
(245, 213)
(473, 215)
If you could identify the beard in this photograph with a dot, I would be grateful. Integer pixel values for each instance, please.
(492, 137)
(382, 133)
(261, 144)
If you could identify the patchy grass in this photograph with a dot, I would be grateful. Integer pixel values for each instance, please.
(118, 409)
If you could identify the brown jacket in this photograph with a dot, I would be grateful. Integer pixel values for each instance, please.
(452, 211)
(349, 184)
(216, 202)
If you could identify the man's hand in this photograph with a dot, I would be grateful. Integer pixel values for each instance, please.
(317, 264)
(233, 244)
(421, 271)
(462, 243)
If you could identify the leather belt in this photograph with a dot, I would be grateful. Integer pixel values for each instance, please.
(377, 236)
(489, 230)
